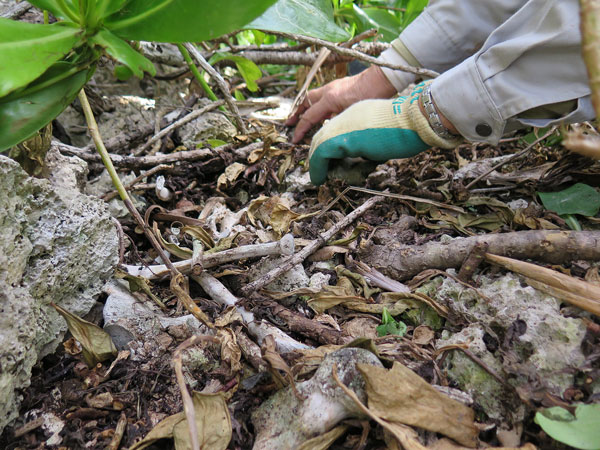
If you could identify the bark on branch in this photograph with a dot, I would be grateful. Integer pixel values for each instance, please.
(404, 261)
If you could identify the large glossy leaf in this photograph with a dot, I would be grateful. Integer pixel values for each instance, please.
(387, 24)
(249, 71)
(108, 7)
(23, 116)
(53, 6)
(308, 17)
(122, 52)
(579, 431)
(27, 50)
(577, 199)
(183, 20)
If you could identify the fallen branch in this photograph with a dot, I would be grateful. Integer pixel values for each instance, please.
(311, 248)
(260, 329)
(404, 261)
(300, 58)
(139, 162)
(283, 247)
(298, 323)
(577, 292)
(355, 54)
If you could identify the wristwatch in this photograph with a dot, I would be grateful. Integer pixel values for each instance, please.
(433, 116)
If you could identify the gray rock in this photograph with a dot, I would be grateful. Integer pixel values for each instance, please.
(126, 318)
(211, 125)
(538, 344)
(56, 245)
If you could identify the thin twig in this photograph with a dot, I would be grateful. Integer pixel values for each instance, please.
(311, 248)
(220, 82)
(512, 158)
(177, 281)
(115, 442)
(356, 55)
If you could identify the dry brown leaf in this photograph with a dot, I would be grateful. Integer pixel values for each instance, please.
(276, 363)
(423, 335)
(323, 441)
(230, 315)
(311, 359)
(447, 444)
(162, 430)
(231, 353)
(212, 421)
(97, 343)
(231, 173)
(361, 327)
(104, 400)
(404, 435)
(327, 253)
(275, 212)
(401, 396)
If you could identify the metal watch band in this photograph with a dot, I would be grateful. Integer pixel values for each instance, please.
(433, 116)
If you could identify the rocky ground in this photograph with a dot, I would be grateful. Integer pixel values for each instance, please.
(498, 342)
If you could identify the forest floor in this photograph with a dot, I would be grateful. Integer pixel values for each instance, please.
(459, 328)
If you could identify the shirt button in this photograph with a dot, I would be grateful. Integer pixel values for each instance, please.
(483, 129)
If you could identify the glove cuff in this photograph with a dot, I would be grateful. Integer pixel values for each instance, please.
(420, 123)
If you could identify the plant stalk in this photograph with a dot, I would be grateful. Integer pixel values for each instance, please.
(95, 132)
(197, 74)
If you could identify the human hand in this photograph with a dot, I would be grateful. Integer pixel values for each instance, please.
(336, 96)
(377, 130)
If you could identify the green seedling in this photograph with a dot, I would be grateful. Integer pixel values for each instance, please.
(389, 326)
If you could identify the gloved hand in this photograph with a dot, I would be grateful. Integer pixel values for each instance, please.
(336, 96)
(377, 130)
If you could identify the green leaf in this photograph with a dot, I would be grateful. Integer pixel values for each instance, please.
(389, 326)
(23, 115)
(57, 8)
(215, 142)
(107, 7)
(248, 69)
(413, 9)
(123, 73)
(27, 50)
(238, 95)
(579, 431)
(577, 199)
(122, 52)
(183, 20)
(387, 24)
(308, 17)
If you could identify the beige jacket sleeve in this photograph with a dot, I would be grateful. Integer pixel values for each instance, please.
(499, 61)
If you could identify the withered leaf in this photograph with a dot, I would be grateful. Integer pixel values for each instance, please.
(401, 396)
(212, 422)
(97, 344)
(323, 441)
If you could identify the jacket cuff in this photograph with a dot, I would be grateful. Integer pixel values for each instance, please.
(460, 95)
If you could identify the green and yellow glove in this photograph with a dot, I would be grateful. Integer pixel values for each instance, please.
(377, 130)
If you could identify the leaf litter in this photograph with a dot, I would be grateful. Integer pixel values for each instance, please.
(462, 372)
